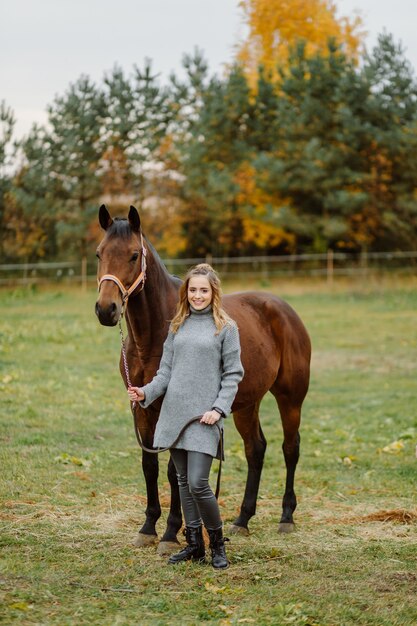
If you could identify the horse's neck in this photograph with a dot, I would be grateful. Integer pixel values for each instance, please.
(149, 313)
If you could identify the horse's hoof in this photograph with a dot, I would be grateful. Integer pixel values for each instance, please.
(238, 530)
(143, 540)
(286, 527)
(167, 547)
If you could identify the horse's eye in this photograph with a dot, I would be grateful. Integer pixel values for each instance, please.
(134, 256)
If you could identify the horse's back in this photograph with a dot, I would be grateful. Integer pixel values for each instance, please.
(275, 343)
(264, 313)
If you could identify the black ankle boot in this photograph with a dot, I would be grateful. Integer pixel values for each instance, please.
(194, 551)
(218, 551)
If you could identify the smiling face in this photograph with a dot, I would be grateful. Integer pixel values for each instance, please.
(199, 293)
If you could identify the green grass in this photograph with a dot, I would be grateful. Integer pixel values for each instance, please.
(72, 490)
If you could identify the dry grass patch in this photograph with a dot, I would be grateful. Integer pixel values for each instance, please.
(399, 516)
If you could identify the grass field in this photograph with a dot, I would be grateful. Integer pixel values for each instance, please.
(72, 491)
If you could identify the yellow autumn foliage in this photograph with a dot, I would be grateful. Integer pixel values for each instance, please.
(265, 235)
(257, 229)
(276, 25)
(23, 237)
(249, 193)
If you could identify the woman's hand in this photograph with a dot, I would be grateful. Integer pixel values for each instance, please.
(210, 417)
(135, 394)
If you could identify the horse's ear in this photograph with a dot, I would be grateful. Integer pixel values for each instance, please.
(134, 219)
(104, 217)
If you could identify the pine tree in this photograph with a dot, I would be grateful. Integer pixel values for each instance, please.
(313, 170)
(76, 148)
(137, 116)
(390, 216)
(7, 123)
(30, 215)
(213, 148)
(342, 173)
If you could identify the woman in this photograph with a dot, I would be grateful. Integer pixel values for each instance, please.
(199, 373)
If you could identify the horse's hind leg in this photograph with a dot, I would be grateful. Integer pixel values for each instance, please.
(290, 416)
(169, 541)
(247, 423)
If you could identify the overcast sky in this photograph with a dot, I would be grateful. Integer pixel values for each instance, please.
(46, 44)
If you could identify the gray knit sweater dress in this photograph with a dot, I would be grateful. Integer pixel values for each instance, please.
(199, 370)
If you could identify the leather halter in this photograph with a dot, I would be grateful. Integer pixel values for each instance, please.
(140, 280)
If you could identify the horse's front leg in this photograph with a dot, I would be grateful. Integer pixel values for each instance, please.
(147, 534)
(169, 541)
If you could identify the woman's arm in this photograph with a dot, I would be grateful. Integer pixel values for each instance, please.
(159, 383)
(232, 370)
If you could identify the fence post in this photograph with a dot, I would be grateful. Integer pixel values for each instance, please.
(25, 274)
(330, 266)
(364, 261)
(84, 273)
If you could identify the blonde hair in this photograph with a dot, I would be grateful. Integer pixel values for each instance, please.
(221, 319)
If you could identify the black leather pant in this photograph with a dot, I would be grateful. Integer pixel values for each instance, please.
(197, 498)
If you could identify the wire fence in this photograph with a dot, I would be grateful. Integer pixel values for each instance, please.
(327, 265)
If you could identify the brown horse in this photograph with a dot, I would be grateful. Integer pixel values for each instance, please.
(275, 355)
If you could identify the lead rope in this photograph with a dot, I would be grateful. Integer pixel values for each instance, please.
(193, 419)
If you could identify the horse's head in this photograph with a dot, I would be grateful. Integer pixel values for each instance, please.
(121, 264)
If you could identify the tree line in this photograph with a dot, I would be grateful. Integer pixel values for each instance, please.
(317, 153)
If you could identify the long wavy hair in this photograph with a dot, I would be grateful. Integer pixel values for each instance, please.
(221, 319)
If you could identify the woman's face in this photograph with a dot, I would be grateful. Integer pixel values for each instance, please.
(199, 292)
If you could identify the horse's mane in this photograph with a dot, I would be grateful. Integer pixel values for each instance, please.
(162, 264)
(120, 228)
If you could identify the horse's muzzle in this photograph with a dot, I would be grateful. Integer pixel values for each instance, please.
(108, 315)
